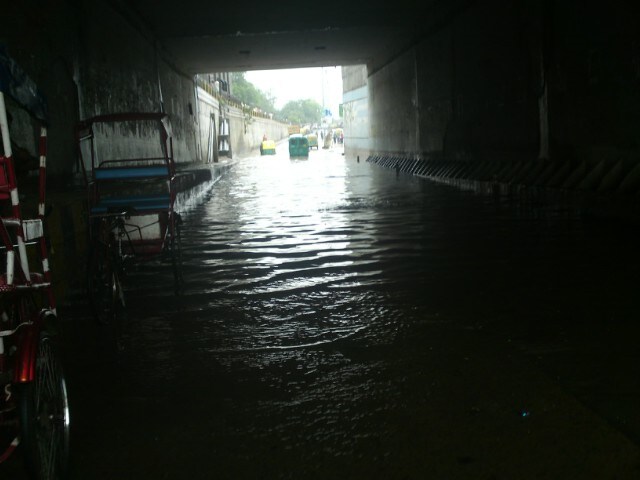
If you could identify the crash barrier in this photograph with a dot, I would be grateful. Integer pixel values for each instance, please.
(612, 184)
(606, 176)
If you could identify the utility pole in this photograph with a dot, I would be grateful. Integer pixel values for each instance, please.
(322, 80)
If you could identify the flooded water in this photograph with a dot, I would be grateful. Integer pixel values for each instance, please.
(343, 321)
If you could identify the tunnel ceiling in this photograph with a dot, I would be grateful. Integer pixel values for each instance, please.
(208, 36)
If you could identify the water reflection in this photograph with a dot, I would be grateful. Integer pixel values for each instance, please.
(342, 322)
(289, 248)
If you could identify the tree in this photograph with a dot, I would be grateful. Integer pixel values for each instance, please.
(247, 92)
(302, 111)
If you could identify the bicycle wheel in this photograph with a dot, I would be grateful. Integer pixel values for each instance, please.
(44, 417)
(106, 296)
(176, 255)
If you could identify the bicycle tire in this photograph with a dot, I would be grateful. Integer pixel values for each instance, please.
(176, 255)
(104, 288)
(44, 416)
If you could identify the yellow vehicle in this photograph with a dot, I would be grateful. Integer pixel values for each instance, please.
(313, 140)
(268, 147)
(293, 129)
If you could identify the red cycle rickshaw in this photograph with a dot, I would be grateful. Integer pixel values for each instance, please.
(34, 412)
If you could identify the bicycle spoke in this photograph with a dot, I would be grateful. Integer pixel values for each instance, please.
(50, 464)
(45, 416)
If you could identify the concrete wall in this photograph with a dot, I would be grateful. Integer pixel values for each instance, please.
(43, 38)
(594, 74)
(519, 81)
(435, 69)
(247, 132)
(353, 77)
(92, 57)
(209, 126)
(394, 121)
(466, 91)
(493, 82)
(126, 71)
(355, 100)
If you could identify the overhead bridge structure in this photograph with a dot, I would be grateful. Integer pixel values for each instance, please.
(536, 93)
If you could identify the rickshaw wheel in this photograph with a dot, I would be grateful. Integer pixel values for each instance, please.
(44, 416)
(106, 296)
(176, 255)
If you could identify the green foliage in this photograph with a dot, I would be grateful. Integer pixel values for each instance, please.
(298, 111)
(247, 92)
(302, 111)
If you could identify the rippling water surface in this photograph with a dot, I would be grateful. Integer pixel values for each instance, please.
(287, 253)
(340, 321)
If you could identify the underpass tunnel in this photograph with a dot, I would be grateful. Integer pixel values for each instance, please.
(538, 97)
(539, 93)
(502, 139)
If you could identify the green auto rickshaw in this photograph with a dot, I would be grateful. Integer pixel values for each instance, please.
(298, 146)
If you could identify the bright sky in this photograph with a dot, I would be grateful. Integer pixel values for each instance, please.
(301, 84)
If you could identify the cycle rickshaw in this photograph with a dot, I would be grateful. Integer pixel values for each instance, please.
(131, 195)
(34, 413)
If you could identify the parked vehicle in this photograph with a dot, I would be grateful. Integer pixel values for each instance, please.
(34, 408)
(131, 214)
(298, 146)
(313, 140)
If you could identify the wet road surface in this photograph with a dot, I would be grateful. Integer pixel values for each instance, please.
(342, 321)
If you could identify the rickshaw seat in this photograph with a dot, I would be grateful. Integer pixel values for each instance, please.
(137, 203)
(126, 173)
